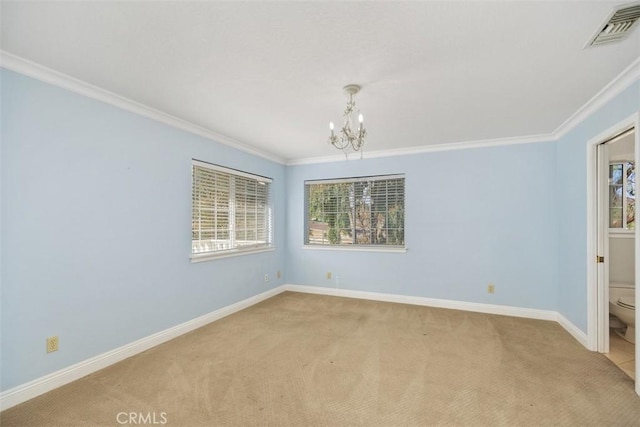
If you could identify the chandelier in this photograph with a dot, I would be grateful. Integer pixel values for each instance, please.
(349, 139)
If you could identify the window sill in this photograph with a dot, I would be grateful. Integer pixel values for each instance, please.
(621, 234)
(228, 254)
(355, 248)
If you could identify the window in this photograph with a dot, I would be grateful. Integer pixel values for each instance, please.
(367, 211)
(231, 211)
(622, 195)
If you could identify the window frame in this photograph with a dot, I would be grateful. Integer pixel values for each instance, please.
(621, 231)
(354, 246)
(232, 209)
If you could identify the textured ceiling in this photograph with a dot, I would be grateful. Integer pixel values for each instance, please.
(270, 74)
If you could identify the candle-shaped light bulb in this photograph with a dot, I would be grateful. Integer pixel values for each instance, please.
(360, 118)
(331, 125)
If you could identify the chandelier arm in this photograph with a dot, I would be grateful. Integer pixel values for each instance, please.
(339, 142)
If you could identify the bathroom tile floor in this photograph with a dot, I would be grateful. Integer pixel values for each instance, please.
(623, 354)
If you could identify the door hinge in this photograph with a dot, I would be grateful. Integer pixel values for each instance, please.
(599, 259)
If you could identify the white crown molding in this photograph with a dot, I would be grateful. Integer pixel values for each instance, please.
(616, 86)
(32, 69)
(622, 81)
(28, 68)
(484, 143)
(314, 160)
(41, 385)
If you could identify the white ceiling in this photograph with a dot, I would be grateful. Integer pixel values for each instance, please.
(270, 74)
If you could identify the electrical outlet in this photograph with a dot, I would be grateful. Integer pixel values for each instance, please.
(52, 344)
(266, 277)
(491, 288)
(279, 275)
(328, 275)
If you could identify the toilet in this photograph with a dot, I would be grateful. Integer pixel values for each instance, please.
(622, 304)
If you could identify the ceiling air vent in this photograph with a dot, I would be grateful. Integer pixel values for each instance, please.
(619, 25)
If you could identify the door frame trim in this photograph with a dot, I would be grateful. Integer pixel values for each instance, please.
(596, 322)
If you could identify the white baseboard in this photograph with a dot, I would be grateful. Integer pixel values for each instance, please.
(41, 385)
(575, 332)
(530, 313)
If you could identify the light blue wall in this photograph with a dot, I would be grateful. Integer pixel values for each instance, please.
(96, 229)
(572, 202)
(473, 217)
(95, 205)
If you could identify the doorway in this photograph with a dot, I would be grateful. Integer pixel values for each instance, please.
(611, 233)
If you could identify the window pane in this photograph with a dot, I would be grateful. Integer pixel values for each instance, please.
(631, 181)
(615, 218)
(366, 211)
(615, 196)
(630, 194)
(631, 214)
(229, 210)
(622, 194)
(615, 174)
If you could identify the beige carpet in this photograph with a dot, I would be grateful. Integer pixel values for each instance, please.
(310, 360)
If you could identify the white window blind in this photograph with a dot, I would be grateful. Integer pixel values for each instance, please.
(365, 211)
(231, 211)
